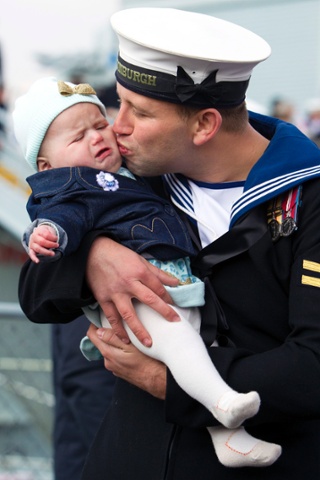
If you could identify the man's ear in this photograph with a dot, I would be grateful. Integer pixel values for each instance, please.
(43, 164)
(207, 125)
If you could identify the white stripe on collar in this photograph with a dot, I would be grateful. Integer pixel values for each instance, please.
(266, 190)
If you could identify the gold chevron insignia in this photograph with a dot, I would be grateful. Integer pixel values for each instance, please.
(307, 279)
(312, 266)
(312, 281)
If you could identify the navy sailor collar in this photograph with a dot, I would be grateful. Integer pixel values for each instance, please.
(289, 160)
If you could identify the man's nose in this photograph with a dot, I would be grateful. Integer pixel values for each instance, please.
(122, 124)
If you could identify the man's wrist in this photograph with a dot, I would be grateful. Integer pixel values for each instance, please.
(158, 381)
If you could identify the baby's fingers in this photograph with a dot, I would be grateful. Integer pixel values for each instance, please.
(38, 241)
(33, 256)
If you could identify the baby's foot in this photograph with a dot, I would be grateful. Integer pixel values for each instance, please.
(233, 408)
(237, 448)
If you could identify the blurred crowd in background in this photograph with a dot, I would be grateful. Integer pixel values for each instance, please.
(308, 121)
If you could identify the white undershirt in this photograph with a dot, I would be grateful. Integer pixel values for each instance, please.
(212, 203)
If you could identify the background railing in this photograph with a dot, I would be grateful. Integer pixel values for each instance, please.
(26, 399)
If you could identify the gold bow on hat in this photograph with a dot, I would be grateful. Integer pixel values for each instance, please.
(82, 89)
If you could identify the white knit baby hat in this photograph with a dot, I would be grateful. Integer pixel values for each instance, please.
(35, 111)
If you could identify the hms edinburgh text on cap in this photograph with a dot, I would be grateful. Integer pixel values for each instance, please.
(136, 76)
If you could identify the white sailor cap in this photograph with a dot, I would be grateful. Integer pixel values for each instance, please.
(185, 57)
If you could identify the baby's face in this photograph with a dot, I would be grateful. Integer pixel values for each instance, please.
(81, 136)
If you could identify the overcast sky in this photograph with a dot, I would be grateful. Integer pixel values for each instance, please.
(48, 26)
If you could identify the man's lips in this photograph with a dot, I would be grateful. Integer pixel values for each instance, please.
(122, 149)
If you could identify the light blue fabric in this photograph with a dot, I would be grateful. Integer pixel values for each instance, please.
(88, 350)
(190, 292)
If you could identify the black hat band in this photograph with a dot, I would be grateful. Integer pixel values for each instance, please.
(181, 89)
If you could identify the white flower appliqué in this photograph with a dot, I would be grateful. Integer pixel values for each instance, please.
(107, 182)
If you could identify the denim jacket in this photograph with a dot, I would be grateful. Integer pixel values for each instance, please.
(81, 199)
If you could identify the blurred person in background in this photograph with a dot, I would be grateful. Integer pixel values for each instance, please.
(3, 115)
(83, 390)
(3, 108)
(3, 105)
(312, 111)
(283, 110)
(108, 96)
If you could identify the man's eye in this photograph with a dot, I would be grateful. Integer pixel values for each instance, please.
(139, 113)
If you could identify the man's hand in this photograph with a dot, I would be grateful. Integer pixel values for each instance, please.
(116, 275)
(128, 363)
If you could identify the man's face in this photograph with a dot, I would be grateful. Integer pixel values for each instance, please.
(152, 136)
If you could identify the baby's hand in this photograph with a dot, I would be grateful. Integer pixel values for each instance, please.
(42, 240)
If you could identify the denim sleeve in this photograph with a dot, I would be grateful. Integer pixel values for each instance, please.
(61, 234)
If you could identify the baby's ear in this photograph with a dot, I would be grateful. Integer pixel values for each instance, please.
(43, 164)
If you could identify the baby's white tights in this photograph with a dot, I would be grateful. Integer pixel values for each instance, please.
(179, 346)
